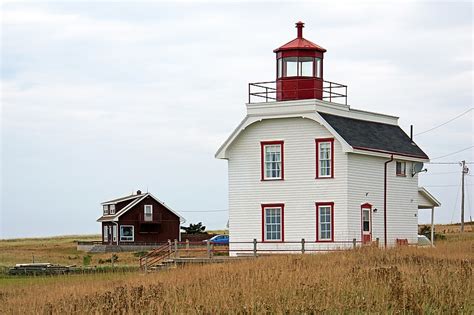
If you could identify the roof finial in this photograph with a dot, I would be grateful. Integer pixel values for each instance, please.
(299, 26)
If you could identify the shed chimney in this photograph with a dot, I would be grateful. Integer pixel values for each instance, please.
(139, 192)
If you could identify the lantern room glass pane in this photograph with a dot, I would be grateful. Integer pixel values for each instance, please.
(317, 67)
(306, 66)
(290, 67)
(280, 68)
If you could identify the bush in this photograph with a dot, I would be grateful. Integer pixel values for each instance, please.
(86, 260)
(426, 231)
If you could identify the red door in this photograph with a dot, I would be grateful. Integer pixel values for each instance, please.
(366, 221)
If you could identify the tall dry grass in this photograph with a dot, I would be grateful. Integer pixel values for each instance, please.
(401, 280)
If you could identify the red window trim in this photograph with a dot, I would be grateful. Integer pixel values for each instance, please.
(401, 174)
(322, 140)
(319, 204)
(274, 205)
(262, 159)
(365, 206)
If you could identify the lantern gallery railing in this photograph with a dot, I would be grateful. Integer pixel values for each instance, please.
(293, 89)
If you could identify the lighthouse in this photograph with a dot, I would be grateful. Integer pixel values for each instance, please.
(299, 75)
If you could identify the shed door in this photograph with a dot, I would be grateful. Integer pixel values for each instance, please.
(366, 225)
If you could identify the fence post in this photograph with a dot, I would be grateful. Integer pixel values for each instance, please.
(354, 243)
(146, 264)
(187, 244)
(377, 242)
(208, 247)
(169, 246)
(175, 248)
(255, 247)
(302, 246)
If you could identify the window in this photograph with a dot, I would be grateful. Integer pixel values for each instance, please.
(324, 158)
(305, 66)
(106, 233)
(317, 68)
(299, 67)
(365, 219)
(127, 233)
(401, 168)
(272, 223)
(114, 233)
(324, 222)
(290, 67)
(148, 213)
(106, 209)
(112, 209)
(272, 160)
(280, 67)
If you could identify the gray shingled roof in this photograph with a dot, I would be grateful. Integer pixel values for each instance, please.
(374, 136)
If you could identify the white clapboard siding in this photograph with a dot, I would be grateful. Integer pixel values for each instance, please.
(366, 184)
(299, 190)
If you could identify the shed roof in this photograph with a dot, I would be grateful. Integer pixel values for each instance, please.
(131, 204)
(374, 136)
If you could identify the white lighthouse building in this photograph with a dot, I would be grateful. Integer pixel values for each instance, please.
(304, 165)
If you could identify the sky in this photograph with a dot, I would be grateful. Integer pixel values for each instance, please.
(99, 99)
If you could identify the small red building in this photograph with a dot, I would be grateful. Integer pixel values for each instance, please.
(137, 219)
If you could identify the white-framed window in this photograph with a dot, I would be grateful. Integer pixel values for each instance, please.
(273, 222)
(324, 216)
(127, 233)
(112, 209)
(105, 208)
(324, 158)
(148, 213)
(366, 220)
(272, 160)
(106, 233)
(114, 233)
(401, 168)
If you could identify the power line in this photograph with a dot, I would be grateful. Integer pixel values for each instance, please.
(455, 203)
(440, 157)
(447, 122)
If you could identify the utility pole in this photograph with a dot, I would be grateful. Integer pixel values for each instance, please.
(465, 170)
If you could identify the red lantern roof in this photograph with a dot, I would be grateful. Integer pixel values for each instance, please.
(300, 42)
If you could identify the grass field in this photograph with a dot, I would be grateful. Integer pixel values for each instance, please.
(406, 279)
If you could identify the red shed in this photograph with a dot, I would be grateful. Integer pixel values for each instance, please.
(137, 219)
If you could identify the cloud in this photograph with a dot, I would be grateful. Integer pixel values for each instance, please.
(99, 99)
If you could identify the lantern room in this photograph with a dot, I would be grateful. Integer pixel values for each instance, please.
(299, 74)
(299, 68)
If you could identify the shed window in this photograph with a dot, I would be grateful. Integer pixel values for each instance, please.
(127, 233)
(114, 233)
(325, 222)
(272, 222)
(272, 160)
(324, 158)
(105, 208)
(148, 212)
(401, 168)
(106, 233)
(112, 209)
